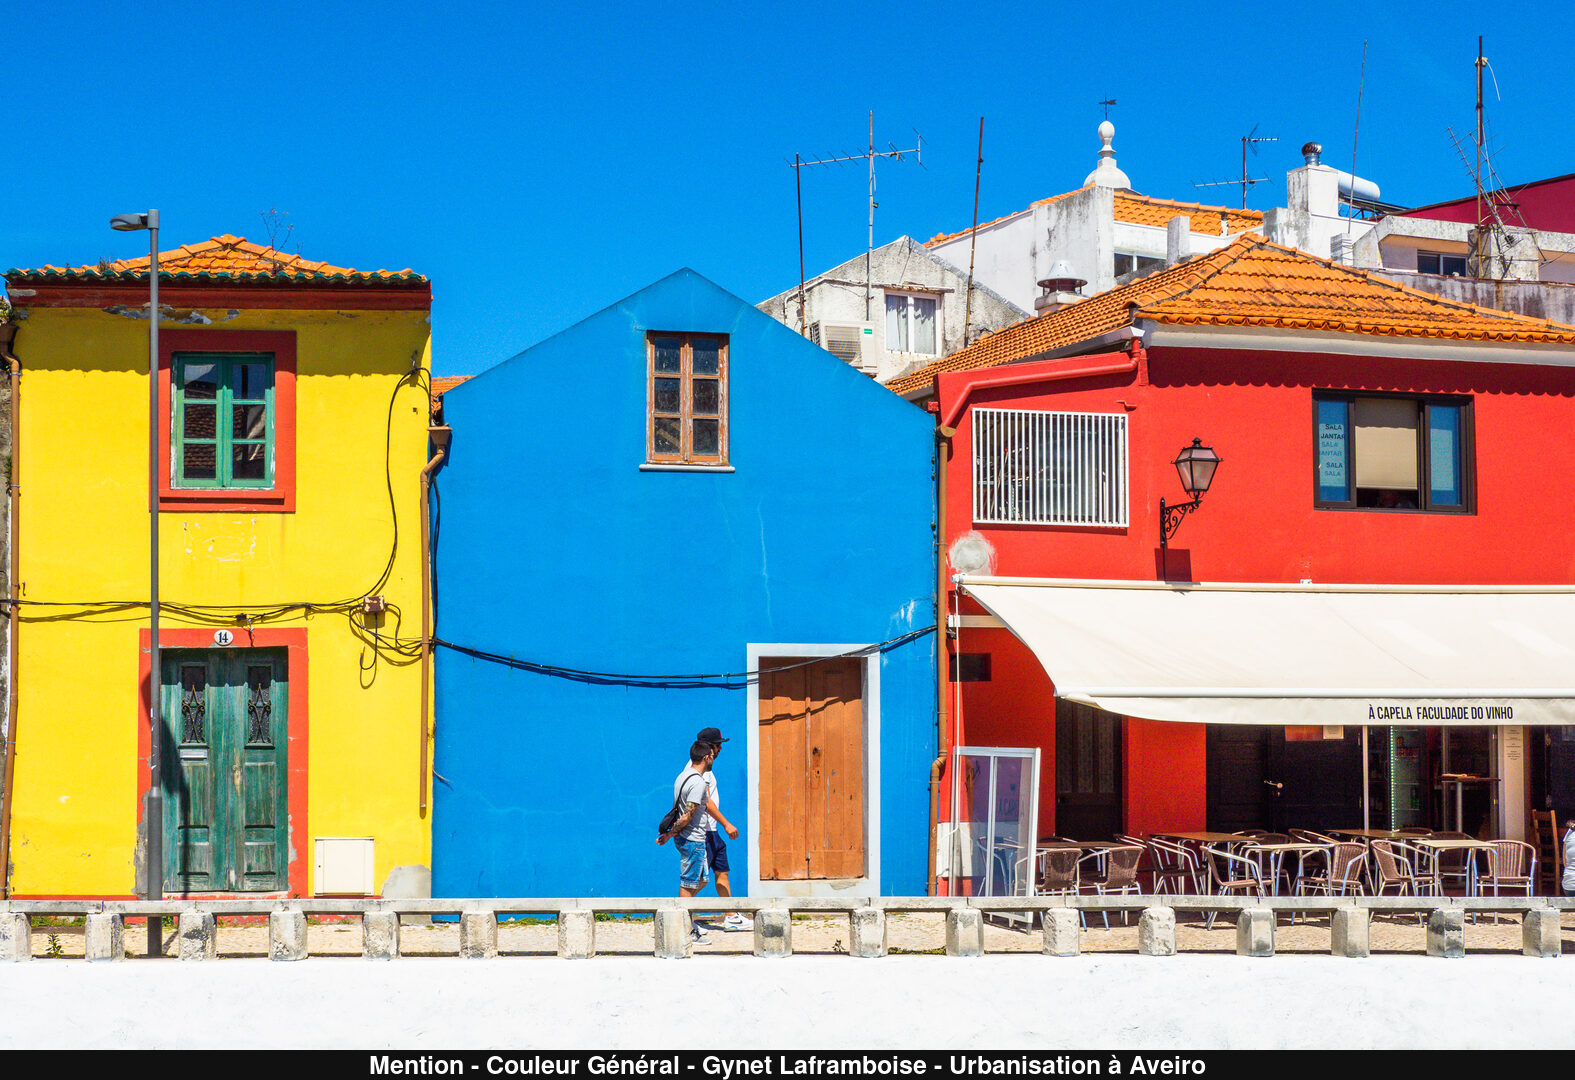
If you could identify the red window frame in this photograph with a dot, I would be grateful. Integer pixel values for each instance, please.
(281, 497)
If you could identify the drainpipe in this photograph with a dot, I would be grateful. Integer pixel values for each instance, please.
(14, 367)
(943, 455)
(439, 436)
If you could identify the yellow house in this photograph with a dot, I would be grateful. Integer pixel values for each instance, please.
(292, 437)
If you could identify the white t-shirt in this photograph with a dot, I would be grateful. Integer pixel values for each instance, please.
(696, 829)
(1569, 861)
(710, 784)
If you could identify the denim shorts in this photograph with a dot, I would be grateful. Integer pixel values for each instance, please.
(716, 851)
(691, 863)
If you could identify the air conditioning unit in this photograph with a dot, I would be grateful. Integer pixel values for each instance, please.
(852, 343)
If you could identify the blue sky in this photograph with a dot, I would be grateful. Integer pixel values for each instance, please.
(540, 161)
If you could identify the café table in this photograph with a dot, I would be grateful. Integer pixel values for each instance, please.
(1276, 854)
(1437, 847)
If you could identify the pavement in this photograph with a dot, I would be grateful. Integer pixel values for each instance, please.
(1107, 998)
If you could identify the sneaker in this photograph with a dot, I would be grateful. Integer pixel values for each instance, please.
(697, 936)
(736, 921)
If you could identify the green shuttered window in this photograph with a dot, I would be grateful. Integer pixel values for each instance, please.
(223, 430)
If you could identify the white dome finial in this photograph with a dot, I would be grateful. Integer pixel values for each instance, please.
(1107, 174)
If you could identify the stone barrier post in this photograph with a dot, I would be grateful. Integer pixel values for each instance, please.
(1157, 932)
(1063, 932)
(964, 932)
(105, 937)
(380, 935)
(1349, 932)
(576, 935)
(867, 932)
(198, 934)
(1539, 933)
(478, 935)
(773, 932)
(16, 937)
(672, 934)
(1255, 932)
(287, 934)
(1446, 933)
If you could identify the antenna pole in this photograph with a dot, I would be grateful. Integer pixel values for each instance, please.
(1356, 132)
(1478, 252)
(870, 248)
(973, 236)
(798, 190)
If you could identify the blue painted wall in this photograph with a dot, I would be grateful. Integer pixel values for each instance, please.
(554, 547)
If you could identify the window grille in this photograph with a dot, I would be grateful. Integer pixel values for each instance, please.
(1049, 468)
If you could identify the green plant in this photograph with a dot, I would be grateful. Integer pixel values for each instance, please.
(54, 946)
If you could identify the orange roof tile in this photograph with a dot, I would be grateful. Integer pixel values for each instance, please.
(226, 258)
(442, 384)
(1249, 282)
(1135, 209)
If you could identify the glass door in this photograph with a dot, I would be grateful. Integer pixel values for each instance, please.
(995, 820)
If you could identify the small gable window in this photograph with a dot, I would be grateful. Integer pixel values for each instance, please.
(687, 401)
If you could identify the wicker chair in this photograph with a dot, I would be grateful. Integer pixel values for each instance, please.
(1058, 871)
(1174, 865)
(1511, 864)
(1121, 868)
(1230, 874)
(1394, 868)
(1342, 876)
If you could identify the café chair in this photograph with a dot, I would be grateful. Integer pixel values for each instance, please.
(1120, 874)
(1230, 874)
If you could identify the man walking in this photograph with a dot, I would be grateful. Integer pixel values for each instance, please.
(688, 832)
(716, 847)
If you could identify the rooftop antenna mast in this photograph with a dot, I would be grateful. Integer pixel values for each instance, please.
(1249, 140)
(870, 156)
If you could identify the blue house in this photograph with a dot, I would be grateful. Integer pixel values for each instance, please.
(680, 514)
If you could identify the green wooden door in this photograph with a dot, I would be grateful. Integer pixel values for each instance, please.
(225, 763)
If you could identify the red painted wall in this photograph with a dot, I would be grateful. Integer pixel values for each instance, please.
(1549, 204)
(1258, 523)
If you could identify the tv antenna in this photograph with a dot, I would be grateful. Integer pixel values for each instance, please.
(870, 156)
(1248, 141)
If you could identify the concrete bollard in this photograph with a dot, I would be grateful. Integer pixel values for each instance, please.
(478, 935)
(1539, 933)
(16, 937)
(1349, 932)
(105, 937)
(1063, 932)
(380, 935)
(576, 935)
(1157, 932)
(198, 935)
(1446, 933)
(287, 935)
(672, 934)
(867, 932)
(1255, 932)
(964, 932)
(773, 932)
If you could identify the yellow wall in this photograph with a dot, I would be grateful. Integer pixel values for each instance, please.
(83, 536)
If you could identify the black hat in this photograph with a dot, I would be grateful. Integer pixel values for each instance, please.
(710, 735)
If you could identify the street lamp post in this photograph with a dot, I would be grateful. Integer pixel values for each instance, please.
(153, 866)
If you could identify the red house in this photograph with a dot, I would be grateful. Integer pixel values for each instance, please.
(1388, 568)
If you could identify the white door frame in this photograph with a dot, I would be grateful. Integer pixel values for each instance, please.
(869, 884)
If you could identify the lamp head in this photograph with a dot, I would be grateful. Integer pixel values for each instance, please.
(1196, 464)
(135, 222)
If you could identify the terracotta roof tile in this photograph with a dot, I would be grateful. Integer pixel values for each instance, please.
(442, 384)
(223, 258)
(1249, 282)
(1135, 209)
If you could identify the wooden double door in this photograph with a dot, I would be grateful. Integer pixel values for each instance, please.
(225, 768)
(812, 769)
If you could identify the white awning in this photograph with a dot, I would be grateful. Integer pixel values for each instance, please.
(1299, 654)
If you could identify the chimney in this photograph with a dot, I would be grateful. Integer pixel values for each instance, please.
(1060, 289)
(1178, 239)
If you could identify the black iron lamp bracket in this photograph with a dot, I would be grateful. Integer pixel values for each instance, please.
(1170, 518)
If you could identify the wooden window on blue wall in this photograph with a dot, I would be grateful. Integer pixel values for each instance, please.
(687, 401)
(222, 436)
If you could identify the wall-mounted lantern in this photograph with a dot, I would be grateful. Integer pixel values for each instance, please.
(1195, 464)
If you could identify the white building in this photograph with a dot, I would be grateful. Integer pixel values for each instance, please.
(1105, 232)
(909, 308)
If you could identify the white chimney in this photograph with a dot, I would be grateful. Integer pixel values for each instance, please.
(1178, 239)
